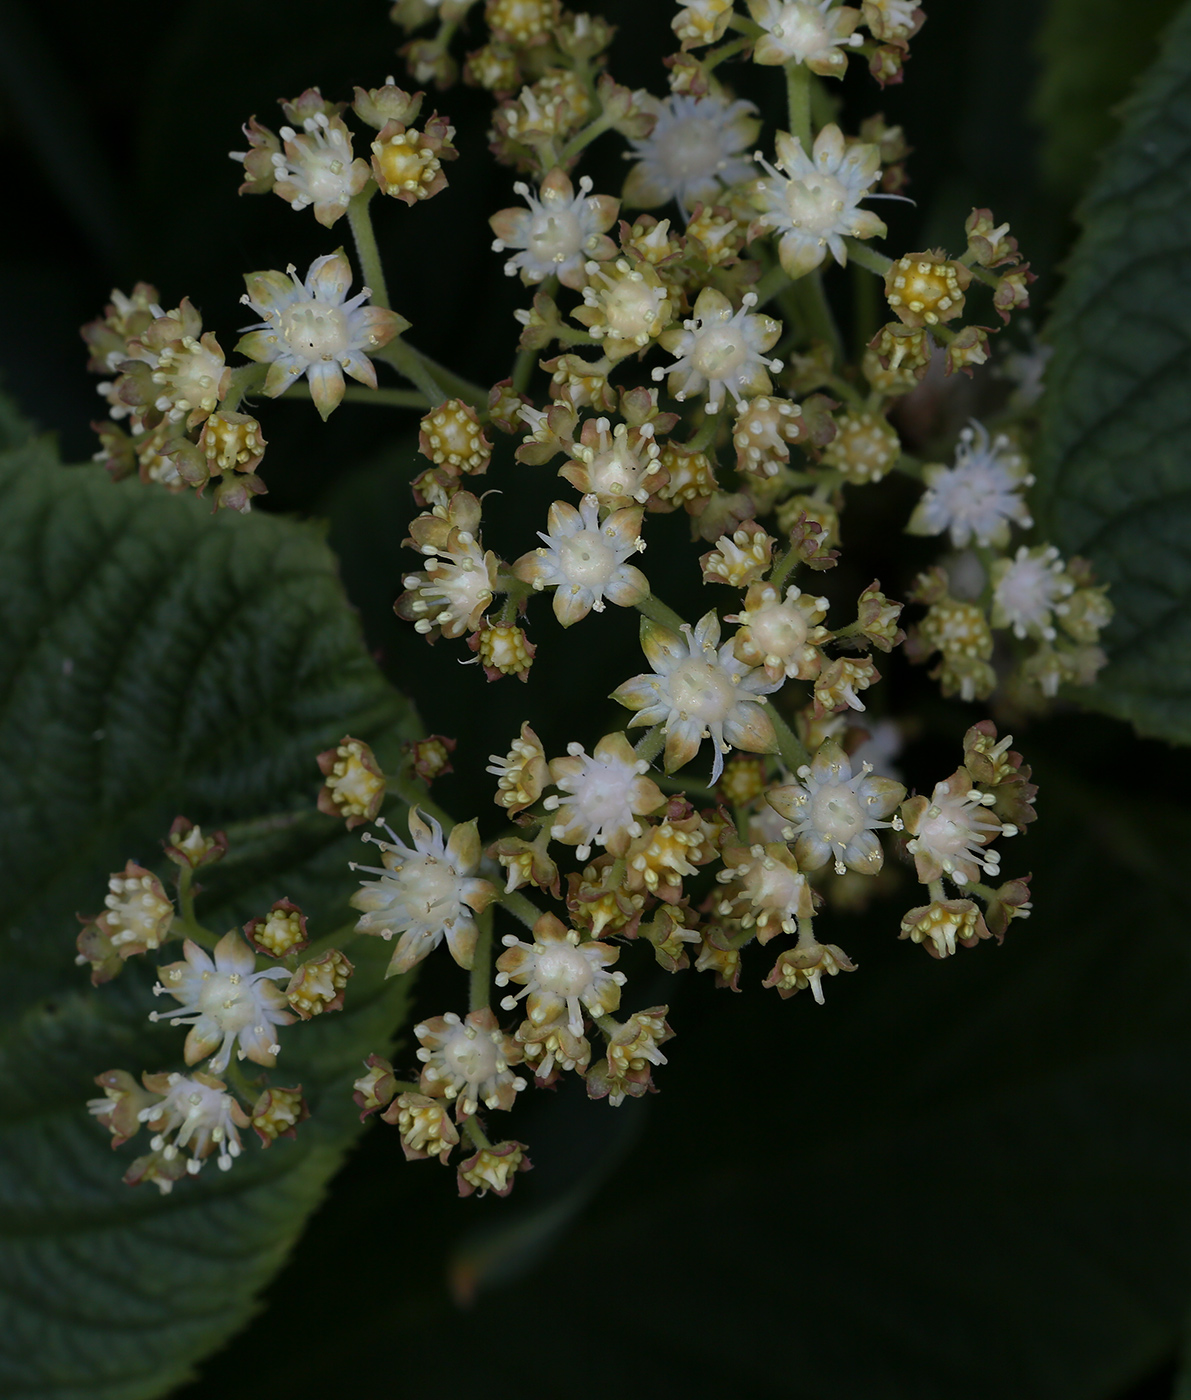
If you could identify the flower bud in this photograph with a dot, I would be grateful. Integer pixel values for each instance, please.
(318, 984)
(279, 932)
(277, 1113)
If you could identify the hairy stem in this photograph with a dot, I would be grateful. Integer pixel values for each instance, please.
(789, 745)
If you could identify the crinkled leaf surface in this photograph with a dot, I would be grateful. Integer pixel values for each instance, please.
(154, 660)
(1115, 467)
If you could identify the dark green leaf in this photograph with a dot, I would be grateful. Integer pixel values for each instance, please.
(1091, 53)
(1115, 466)
(154, 660)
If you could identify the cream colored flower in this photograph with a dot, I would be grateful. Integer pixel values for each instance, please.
(815, 204)
(584, 561)
(425, 892)
(699, 693)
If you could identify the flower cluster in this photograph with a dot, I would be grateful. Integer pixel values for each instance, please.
(233, 1007)
(760, 795)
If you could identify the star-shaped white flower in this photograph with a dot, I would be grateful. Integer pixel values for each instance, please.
(425, 892)
(584, 561)
(693, 151)
(815, 204)
(225, 1003)
(720, 351)
(558, 233)
(311, 328)
(977, 498)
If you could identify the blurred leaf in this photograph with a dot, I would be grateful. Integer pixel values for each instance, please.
(154, 660)
(1115, 467)
(1091, 52)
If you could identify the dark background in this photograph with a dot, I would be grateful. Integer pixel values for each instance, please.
(962, 1179)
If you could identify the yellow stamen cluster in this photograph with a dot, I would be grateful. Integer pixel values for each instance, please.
(521, 21)
(864, 448)
(318, 985)
(277, 1111)
(926, 288)
(451, 436)
(505, 649)
(232, 442)
(280, 932)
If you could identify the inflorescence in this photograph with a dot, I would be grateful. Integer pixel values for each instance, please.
(666, 385)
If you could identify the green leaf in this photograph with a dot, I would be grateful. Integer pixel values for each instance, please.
(1091, 52)
(1115, 463)
(154, 660)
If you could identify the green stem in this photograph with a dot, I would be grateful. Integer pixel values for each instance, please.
(415, 796)
(798, 103)
(523, 367)
(657, 611)
(390, 398)
(480, 980)
(189, 920)
(807, 297)
(472, 1130)
(715, 57)
(706, 434)
(751, 30)
(520, 907)
(868, 257)
(652, 744)
(366, 250)
(246, 379)
(794, 755)
(411, 365)
(773, 282)
(435, 380)
(782, 569)
(585, 137)
(935, 890)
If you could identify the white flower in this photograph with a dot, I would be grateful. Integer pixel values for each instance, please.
(605, 795)
(814, 32)
(819, 204)
(309, 328)
(978, 496)
(950, 829)
(425, 892)
(699, 693)
(455, 588)
(317, 168)
(692, 152)
(834, 814)
(1028, 589)
(468, 1061)
(560, 975)
(584, 561)
(224, 1002)
(198, 1114)
(720, 350)
(615, 464)
(559, 231)
(138, 914)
